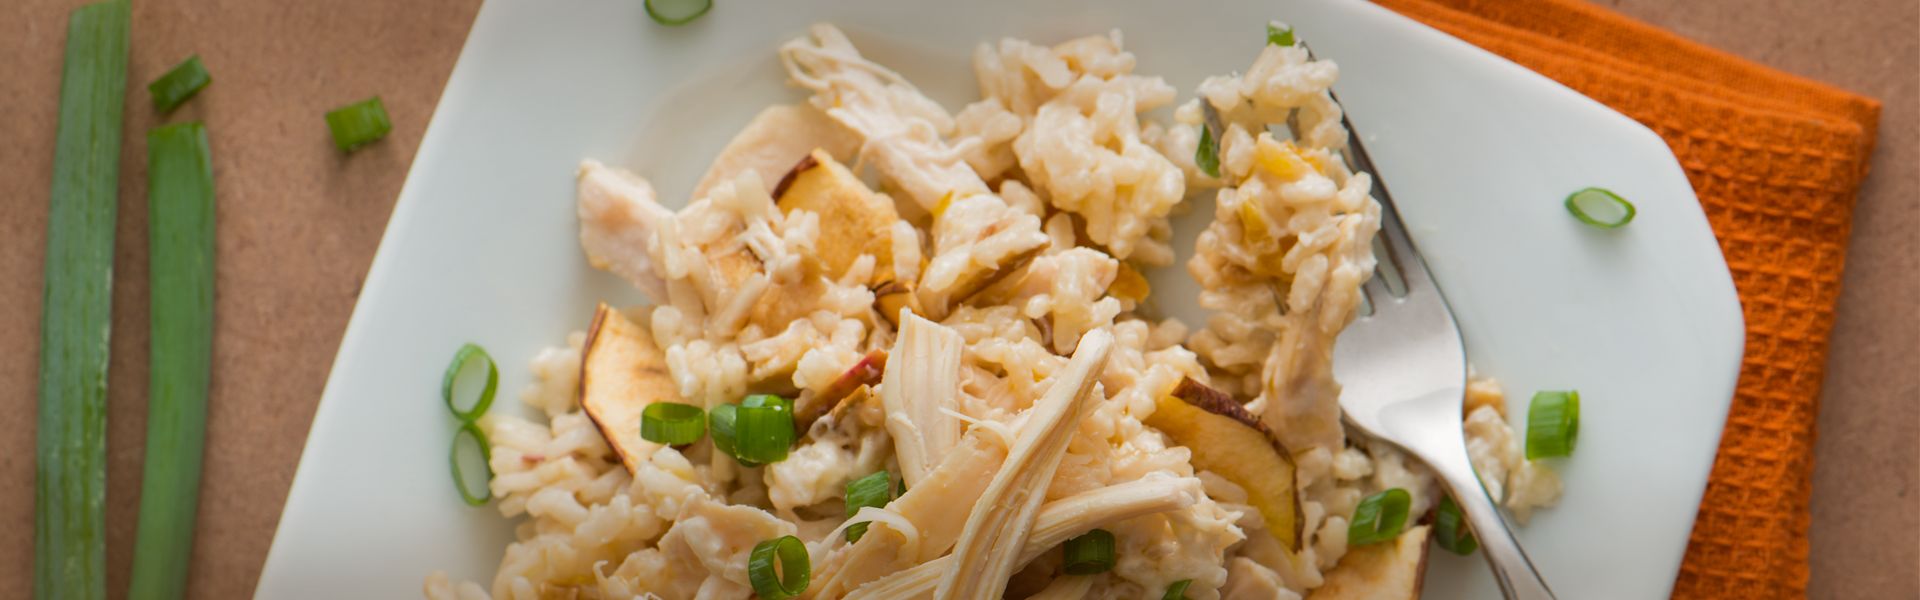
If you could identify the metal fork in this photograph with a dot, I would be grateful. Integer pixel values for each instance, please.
(1404, 371)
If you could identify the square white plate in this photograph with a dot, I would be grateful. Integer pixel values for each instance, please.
(1479, 153)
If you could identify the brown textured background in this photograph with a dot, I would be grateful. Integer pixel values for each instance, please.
(299, 225)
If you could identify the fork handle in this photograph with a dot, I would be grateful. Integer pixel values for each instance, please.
(1515, 573)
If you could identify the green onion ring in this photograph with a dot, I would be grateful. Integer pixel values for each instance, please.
(1379, 517)
(794, 571)
(1206, 153)
(677, 12)
(470, 430)
(762, 434)
(467, 353)
(1089, 554)
(1279, 35)
(1584, 203)
(672, 423)
(1177, 590)
(1553, 424)
(1450, 528)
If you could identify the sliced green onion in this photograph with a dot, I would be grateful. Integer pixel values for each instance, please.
(1177, 590)
(468, 354)
(1279, 34)
(677, 12)
(766, 400)
(1089, 554)
(471, 431)
(180, 239)
(1379, 517)
(1553, 424)
(672, 423)
(903, 487)
(762, 433)
(70, 462)
(179, 84)
(1206, 154)
(720, 425)
(359, 124)
(1450, 529)
(779, 568)
(872, 490)
(1600, 208)
(857, 531)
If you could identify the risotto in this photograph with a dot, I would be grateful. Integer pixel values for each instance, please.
(948, 310)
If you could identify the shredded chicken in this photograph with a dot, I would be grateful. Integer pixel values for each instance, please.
(918, 391)
(1000, 521)
(1057, 522)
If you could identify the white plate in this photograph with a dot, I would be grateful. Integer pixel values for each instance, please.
(1479, 152)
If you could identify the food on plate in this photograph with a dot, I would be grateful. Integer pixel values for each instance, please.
(1227, 440)
(925, 348)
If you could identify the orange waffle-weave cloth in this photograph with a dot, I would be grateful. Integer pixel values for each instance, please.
(1776, 161)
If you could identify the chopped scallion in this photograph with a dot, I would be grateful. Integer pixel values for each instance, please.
(1177, 590)
(677, 12)
(181, 235)
(1553, 424)
(469, 354)
(1206, 154)
(1379, 517)
(766, 400)
(1279, 34)
(70, 461)
(359, 124)
(857, 531)
(762, 434)
(1450, 529)
(721, 422)
(873, 490)
(174, 88)
(779, 568)
(1600, 208)
(672, 423)
(1090, 554)
(471, 432)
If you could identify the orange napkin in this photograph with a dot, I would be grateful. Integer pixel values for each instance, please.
(1776, 161)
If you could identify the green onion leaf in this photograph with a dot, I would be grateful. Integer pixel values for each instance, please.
(70, 481)
(903, 487)
(1450, 529)
(1600, 208)
(1553, 424)
(469, 354)
(359, 124)
(856, 531)
(1177, 590)
(174, 88)
(1279, 34)
(677, 12)
(720, 425)
(672, 423)
(873, 490)
(1089, 554)
(1379, 517)
(180, 239)
(766, 400)
(779, 568)
(471, 432)
(762, 433)
(1206, 154)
